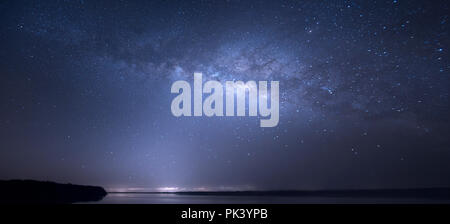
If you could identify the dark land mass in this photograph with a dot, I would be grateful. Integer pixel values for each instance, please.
(420, 193)
(30, 191)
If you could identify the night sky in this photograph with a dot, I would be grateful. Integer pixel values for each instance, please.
(364, 93)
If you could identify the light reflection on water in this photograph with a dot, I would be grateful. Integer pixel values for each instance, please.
(146, 198)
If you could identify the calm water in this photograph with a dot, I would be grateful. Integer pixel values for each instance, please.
(142, 198)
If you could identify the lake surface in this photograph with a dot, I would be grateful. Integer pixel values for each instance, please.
(149, 198)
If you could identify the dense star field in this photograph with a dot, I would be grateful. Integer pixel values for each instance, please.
(364, 93)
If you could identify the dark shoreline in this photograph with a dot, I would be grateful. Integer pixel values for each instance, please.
(45, 192)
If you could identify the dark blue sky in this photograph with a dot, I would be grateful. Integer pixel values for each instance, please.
(364, 93)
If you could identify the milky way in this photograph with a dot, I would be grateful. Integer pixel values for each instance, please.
(363, 93)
